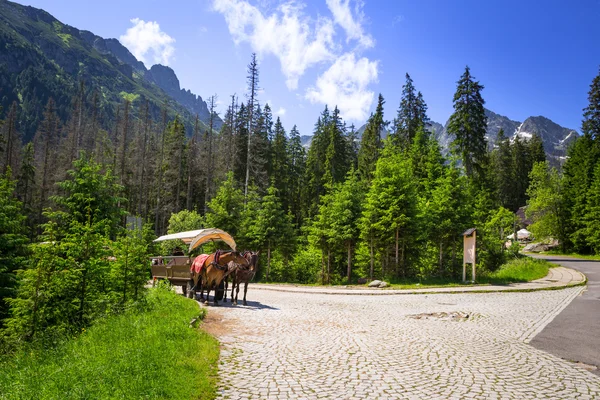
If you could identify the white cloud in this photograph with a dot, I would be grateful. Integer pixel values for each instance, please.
(345, 84)
(148, 43)
(344, 18)
(301, 42)
(281, 112)
(296, 40)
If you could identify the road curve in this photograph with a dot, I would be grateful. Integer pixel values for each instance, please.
(574, 334)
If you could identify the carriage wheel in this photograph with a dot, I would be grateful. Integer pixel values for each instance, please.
(191, 294)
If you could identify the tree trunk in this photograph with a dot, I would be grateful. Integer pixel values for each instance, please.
(372, 260)
(349, 272)
(441, 264)
(328, 265)
(268, 259)
(322, 267)
(397, 240)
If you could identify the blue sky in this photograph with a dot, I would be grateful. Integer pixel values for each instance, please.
(533, 57)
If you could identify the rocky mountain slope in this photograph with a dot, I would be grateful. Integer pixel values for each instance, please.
(556, 138)
(40, 57)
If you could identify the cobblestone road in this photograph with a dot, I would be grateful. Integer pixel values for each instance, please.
(312, 346)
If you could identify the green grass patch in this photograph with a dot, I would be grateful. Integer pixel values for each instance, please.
(574, 255)
(518, 270)
(151, 354)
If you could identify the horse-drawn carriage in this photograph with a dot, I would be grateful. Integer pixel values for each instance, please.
(206, 271)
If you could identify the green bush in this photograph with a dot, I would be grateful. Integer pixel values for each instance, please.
(151, 354)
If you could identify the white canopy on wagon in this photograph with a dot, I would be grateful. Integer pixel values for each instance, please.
(522, 234)
(187, 237)
(199, 237)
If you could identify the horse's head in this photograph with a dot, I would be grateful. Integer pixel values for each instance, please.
(238, 258)
(252, 258)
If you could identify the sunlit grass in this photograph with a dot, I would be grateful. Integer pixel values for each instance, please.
(518, 270)
(139, 355)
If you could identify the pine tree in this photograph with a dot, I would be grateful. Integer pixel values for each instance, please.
(345, 211)
(578, 172)
(390, 210)
(279, 165)
(592, 214)
(192, 164)
(225, 209)
(12, 141)
(252, 80)
(241, 143)
(172, 167)
(315, 166)
(13, 249)
(545, 203)
(370, 145)
(591, 114)
(296, 160)
(271, 226)
(45, 145)
(412, 116)
(502, 162)
(443, 216)
(337, 156)
(468, 125)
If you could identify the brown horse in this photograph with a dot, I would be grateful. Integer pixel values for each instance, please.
(244, 274)
(214, 270)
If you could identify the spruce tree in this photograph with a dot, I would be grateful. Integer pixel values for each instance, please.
(412, 116)
(592, 214)
(225, 209)
(279, 164)
(468, 125)
(315, 166)
(502, 162)
(296, 161)
(591, 114)
(545, 203)
(337, 155)
(578, 171)
(370, 144)
(13, 249)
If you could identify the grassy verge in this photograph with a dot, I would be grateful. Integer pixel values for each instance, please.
(558, 253)
(150, 354)
(519, 270)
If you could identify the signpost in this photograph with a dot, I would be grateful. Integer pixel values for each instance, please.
(469, 256)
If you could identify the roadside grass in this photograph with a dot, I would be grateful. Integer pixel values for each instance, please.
(523, 269)
(147, 354)
(574, 255)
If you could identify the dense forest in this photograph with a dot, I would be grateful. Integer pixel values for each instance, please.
(349, 206)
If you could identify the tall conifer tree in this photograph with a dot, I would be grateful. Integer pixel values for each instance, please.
(468, 125)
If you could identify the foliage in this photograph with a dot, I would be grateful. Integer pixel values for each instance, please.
(144, 353)
(545, 203)
(411, 117)
(13, 250)
(225, 209)
(468, 124)
(69, 282)
(182, 221)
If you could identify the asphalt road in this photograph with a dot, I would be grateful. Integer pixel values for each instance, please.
(574, 334)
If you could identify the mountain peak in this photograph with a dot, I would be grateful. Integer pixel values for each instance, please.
(165, 78)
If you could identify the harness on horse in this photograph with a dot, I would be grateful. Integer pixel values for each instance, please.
(215, 262)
